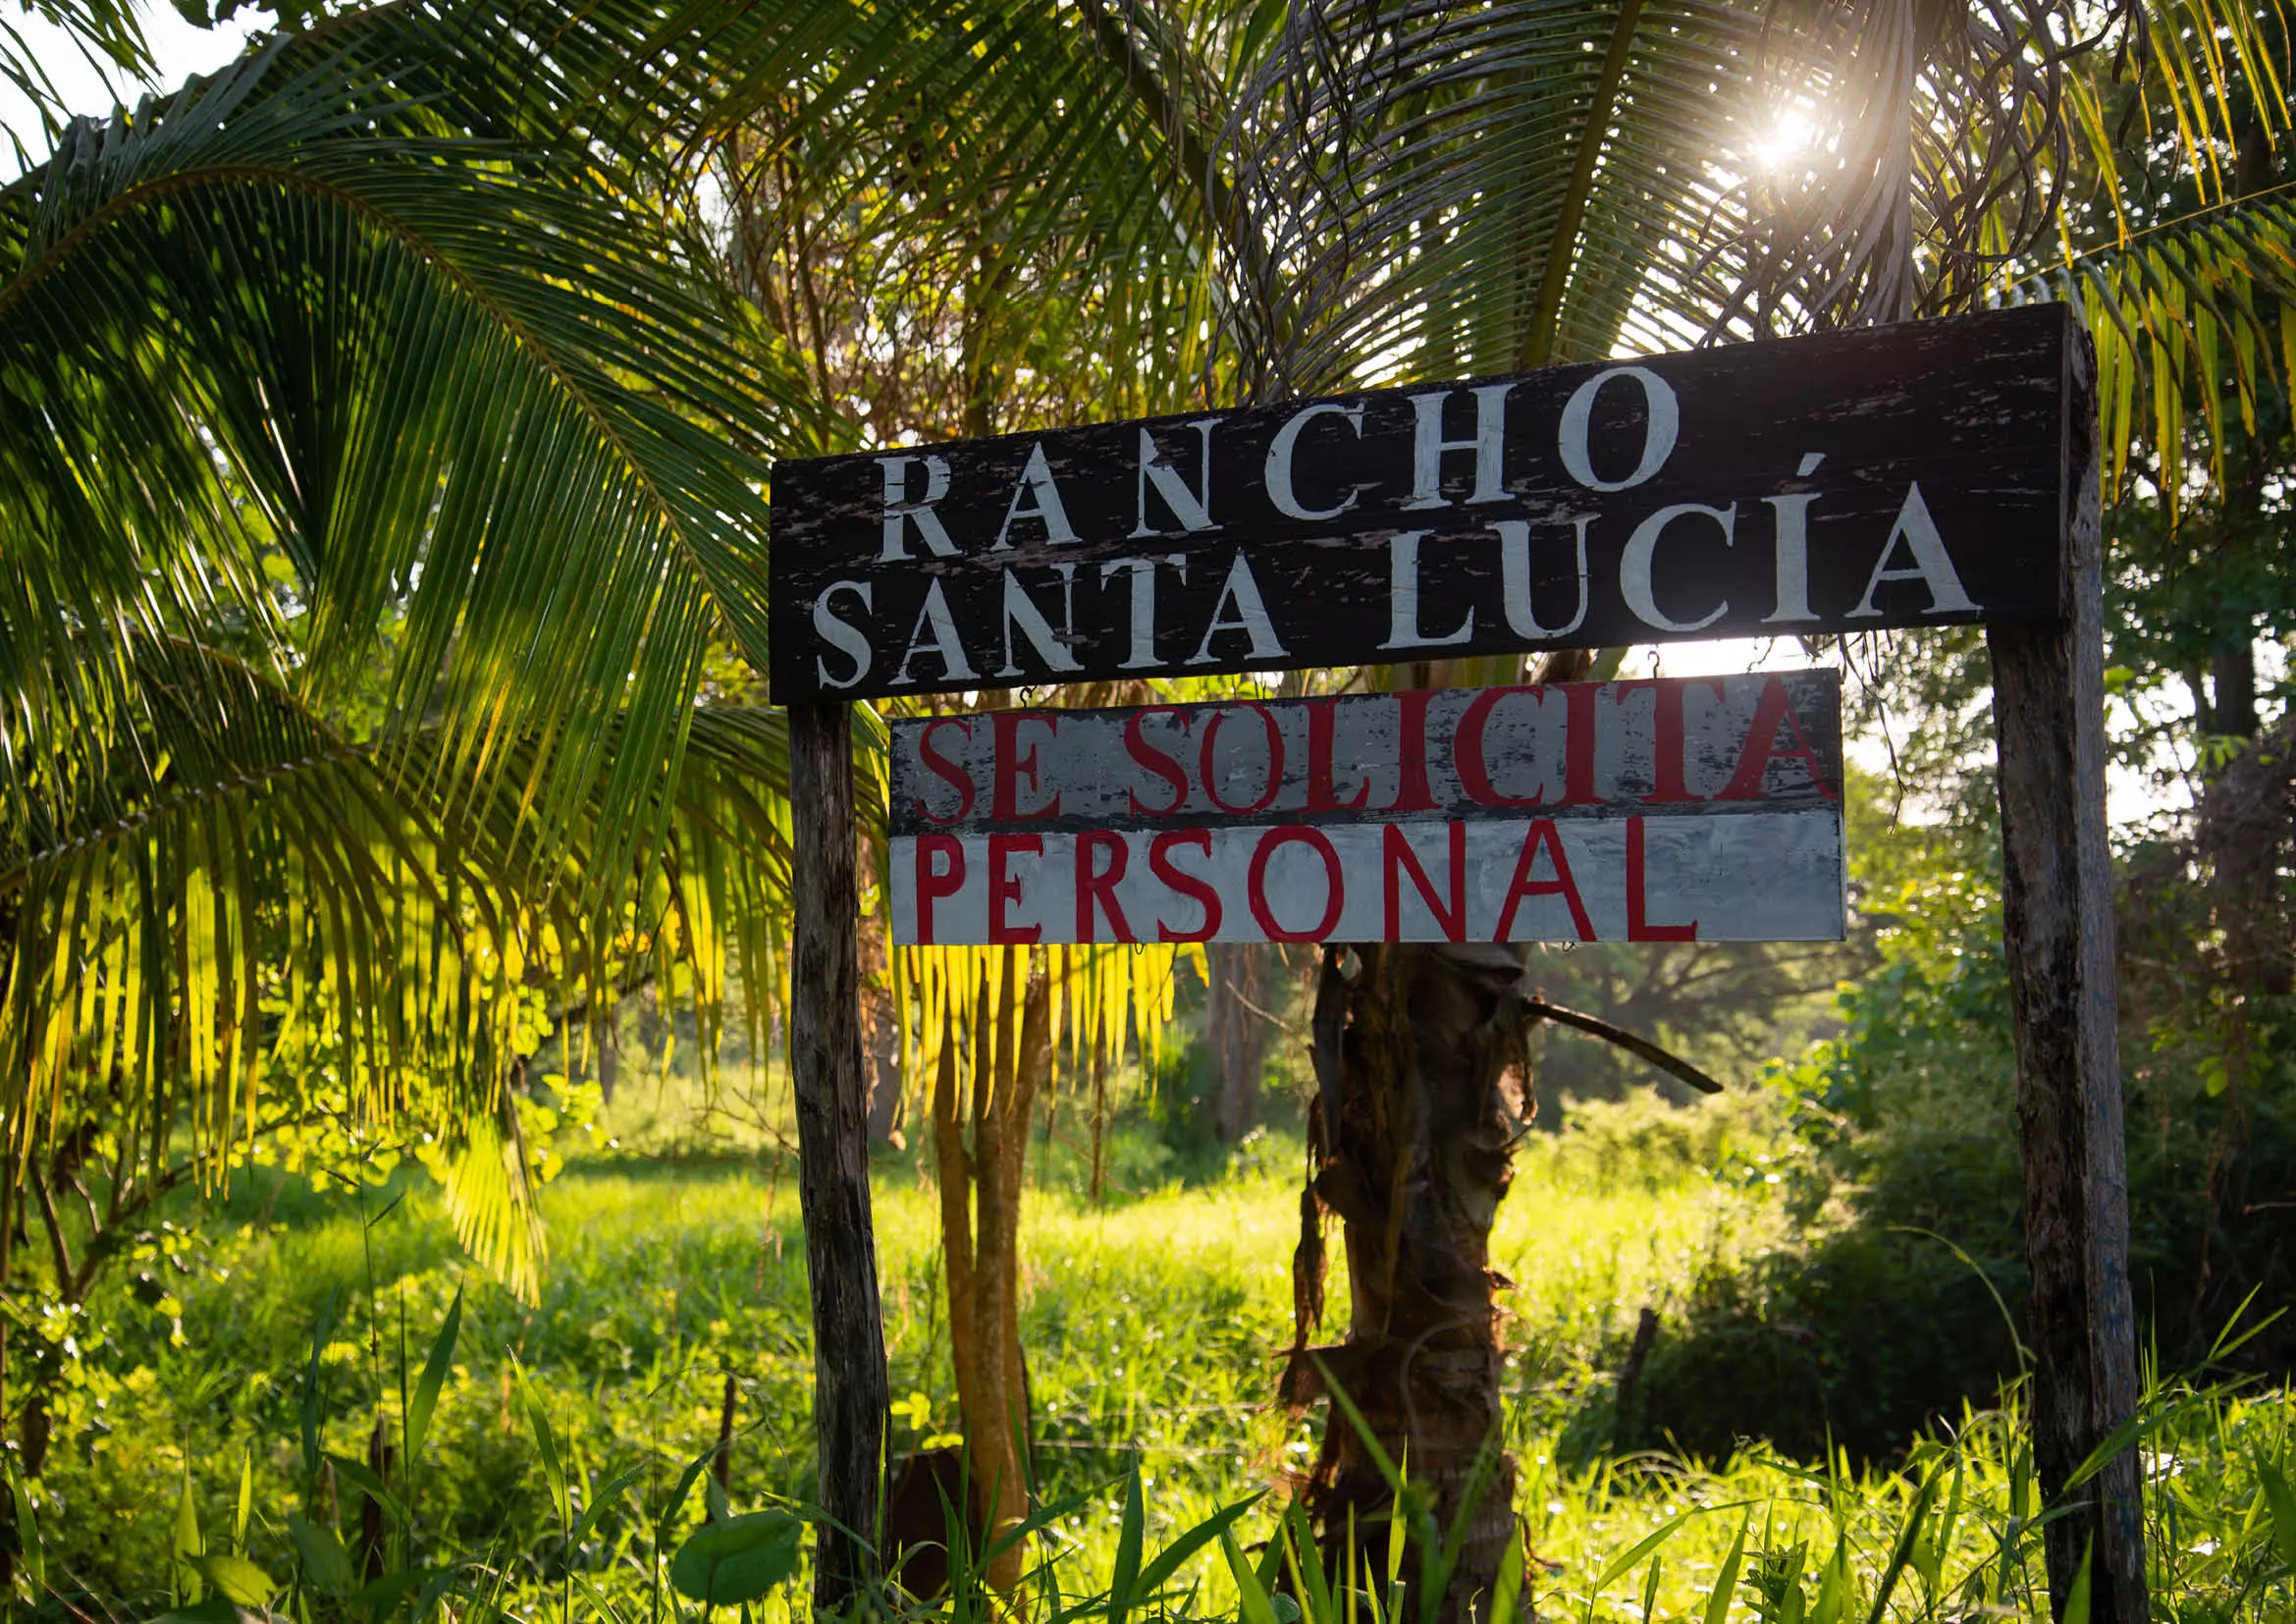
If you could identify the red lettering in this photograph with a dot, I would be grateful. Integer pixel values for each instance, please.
(946, 768)
(1187, 884)
(1012, 763)
(935, 883)
(1399, 858)
(1096, 886)
(1275, 758)
(1165, 767)
(1004, 890)
(1638, 926)
(1472, 761)
(1578, 744)
(1667, 732)
(1256, 886)
(1411, 794)
(1323, 794)
(1543, 835)
(1775, 709)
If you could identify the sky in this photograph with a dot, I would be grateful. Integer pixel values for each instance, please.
(179, 49)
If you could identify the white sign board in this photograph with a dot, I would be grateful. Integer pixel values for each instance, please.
(1678, 809)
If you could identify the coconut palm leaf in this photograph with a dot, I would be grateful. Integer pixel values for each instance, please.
(398, 398)
(242, 908)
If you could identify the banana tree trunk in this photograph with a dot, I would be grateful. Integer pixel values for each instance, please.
(1422, 1091)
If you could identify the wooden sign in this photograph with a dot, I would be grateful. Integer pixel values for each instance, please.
(1897, 476)
(1698, 808)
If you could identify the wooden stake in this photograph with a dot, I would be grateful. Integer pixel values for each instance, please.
(850, 1397)
(2056, 918)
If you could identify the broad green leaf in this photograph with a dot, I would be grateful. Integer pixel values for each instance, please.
(364, 1478)
(246, 1507)
(602, 1503)
(239, 1579)
(1916, 1516)
(737, 1560)
(2076, 1601)
(322, 1333)
(424, 1400)
(378, 1599)
(326, 1564)
(1159, 1572)
(1507, 1589)
(1643, 1547)
(544, 1441)
(1833, 1602)
(1295, 1536)
(187, 1547)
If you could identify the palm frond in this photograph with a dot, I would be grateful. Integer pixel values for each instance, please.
(238, 909)
(396, 396)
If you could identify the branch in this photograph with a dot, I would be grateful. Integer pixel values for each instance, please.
(54, 1225)
(1672, 1065)
(1276, 1021)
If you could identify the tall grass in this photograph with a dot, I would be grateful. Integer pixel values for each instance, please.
(567, 1465)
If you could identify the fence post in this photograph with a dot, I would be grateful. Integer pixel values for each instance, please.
(2057, 922)
(850, 1399)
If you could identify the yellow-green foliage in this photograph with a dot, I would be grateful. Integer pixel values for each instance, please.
(1151, 1328)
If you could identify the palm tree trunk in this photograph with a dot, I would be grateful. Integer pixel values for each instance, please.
(1423, 1088)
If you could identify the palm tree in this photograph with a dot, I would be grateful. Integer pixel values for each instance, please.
(379, 475)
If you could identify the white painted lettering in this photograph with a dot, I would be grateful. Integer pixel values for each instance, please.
(1793, 558)
(1514, 579)
(1193, 509)
(1020, 609)
(1044, 496)
(1280, 490)
(1635, 585)
(1402, 598)
(1662, 424)
(1931, 566)
(900, 508)
(841, 634)
(944, 641)
(1793, 548)
(1428, 445)
(1243, 591)
(1142, 578)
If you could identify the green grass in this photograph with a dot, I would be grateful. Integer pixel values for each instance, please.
(1151, 1328)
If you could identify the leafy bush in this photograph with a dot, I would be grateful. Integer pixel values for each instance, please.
(1892, 1302)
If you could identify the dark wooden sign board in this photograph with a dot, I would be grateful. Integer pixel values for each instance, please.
(1756, 489)
(1928, 474)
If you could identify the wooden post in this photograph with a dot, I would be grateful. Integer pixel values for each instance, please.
(2056, 918)
(850, 1398)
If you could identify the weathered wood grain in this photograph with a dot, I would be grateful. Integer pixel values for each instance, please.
(850, 1398)
(1701, 808)
(1896, 477)
(2056, 918)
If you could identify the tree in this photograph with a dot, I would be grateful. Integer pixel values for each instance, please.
(380, 473)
